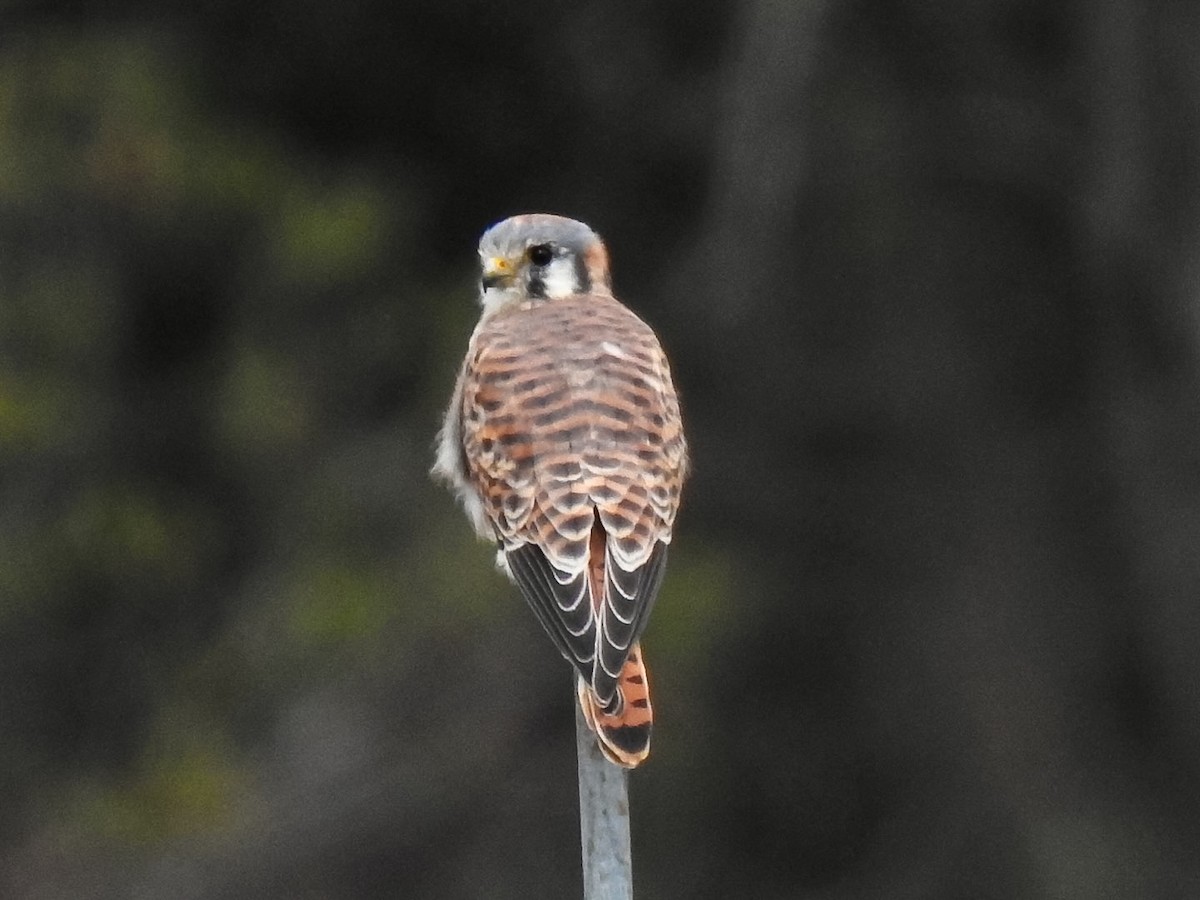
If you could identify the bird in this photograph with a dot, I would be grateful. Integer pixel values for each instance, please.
(564, 442)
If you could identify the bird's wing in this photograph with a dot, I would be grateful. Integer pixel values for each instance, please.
(636, 476)
(572, 435)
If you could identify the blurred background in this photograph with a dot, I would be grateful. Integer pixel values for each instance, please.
(929, 276)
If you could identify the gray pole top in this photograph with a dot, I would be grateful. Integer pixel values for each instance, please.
(603, 820)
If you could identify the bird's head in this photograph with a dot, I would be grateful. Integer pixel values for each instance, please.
(539, 257)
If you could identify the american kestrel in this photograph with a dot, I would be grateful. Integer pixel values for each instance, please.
(564, 442)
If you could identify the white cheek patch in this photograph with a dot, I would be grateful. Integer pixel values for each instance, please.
(559, 278)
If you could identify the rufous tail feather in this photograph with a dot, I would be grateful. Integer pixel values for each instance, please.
(624, 736)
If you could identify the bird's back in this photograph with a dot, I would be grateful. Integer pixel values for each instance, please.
(571, 407)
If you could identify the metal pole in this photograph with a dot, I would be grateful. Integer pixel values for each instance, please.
(603, 820)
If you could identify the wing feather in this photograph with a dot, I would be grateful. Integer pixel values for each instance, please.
(569, 423)
(557, 605)
(624, 618)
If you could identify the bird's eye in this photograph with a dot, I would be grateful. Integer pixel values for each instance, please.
(541, 254)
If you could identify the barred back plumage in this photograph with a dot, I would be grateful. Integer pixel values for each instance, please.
(566, 432)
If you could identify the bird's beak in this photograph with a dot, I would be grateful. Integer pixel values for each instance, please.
(497, 272)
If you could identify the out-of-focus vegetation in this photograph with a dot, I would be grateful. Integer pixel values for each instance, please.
(927, 275)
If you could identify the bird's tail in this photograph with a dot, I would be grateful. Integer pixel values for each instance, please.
(624, 736)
